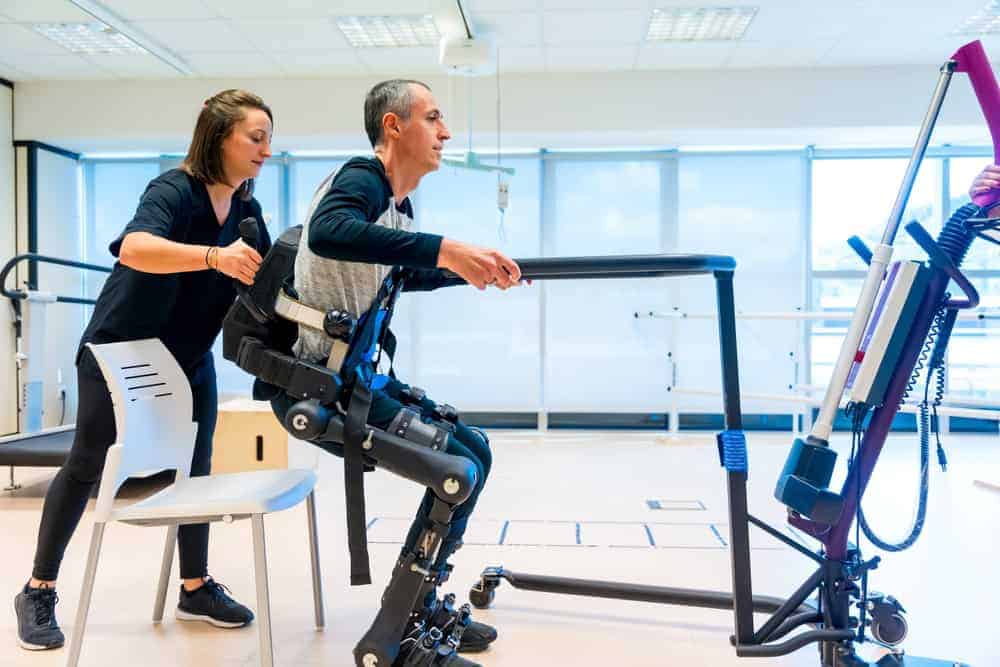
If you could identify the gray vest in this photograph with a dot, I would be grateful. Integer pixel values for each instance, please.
(335, 284)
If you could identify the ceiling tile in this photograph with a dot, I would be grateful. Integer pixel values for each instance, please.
(510, 29)
(289, 9)
(134, 66)
(748, 55)
(853, 52)
(292, 35)
(383, 7)
(521, 59)
(196, 36)
(589, 58)
(474, 7)
(268, 9)
(806, 20)
(417, 59)
(68, 66)
(24, 40)
(232, 63)
(11, 73)
(565, 28)
(42, 11)
(690, 55)
(582, 5)
(159, 10)
(327, 62)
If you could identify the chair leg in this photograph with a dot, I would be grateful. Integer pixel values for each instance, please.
(165, 566)
(76, 643)
(263, 596)
(314, 560)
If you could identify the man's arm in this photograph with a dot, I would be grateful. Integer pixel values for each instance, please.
(341, 226)
(425, 280)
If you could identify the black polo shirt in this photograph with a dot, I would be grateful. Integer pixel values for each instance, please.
(184, 310)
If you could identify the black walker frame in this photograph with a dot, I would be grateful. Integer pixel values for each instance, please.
(835, 582)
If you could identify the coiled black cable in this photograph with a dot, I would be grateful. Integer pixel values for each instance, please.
(924, 428)
(938, 397)
(957, 236)
(955, 240)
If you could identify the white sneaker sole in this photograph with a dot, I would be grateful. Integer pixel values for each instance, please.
(35, 647)
(182, 615)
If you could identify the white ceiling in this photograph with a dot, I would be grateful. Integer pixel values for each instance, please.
(298, 38)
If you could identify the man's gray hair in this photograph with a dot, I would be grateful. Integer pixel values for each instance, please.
(392, 96)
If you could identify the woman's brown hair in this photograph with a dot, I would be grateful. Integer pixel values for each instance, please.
(218, 116)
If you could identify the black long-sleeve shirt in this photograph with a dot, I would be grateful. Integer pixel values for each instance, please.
(355, 232)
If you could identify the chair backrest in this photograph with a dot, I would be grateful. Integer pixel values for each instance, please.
(153, 414)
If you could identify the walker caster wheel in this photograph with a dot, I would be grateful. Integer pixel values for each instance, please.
(481, 599)
(888, 621)
(483, 591)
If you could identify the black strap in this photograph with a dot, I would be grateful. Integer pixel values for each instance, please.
(355, 433)
(389, 347)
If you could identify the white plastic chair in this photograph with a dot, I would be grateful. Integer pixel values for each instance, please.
(153, 416)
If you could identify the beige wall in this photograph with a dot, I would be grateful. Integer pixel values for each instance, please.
(853, 106)
(8, 374)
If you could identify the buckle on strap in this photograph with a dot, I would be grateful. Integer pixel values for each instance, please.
(339, 325)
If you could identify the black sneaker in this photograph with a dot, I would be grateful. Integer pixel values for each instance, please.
(37, 629)
(211, 603)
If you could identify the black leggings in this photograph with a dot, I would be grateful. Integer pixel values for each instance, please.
(95, 433)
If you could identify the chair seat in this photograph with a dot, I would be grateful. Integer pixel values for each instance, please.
(234, 494)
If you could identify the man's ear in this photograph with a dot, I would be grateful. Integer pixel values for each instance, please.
(390, 124)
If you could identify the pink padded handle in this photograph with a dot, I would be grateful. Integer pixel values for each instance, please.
(972, 60)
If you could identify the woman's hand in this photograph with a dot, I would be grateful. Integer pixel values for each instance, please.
(237, 260)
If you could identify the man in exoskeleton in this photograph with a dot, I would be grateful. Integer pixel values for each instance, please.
(357, 229)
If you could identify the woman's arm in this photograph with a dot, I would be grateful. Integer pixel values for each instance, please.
(149, 253)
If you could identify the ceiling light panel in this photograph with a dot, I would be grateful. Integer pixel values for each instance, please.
(92, 37)
(692, 24)
(983, 22)
(389, 31)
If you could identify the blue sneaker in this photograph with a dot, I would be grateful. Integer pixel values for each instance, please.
(37, 629)
(211, 603)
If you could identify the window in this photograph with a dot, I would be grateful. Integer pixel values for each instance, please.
(750, 207)
(577, 345)
(855, 197)
(306, 175)
(267, 192)
(476, 350)
(113, 190)
(598, 356)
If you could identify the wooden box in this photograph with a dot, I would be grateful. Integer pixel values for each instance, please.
(248, 437)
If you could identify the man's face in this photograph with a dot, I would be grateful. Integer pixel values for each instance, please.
(422, 137)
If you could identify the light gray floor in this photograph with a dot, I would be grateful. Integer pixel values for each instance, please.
(543, 485)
